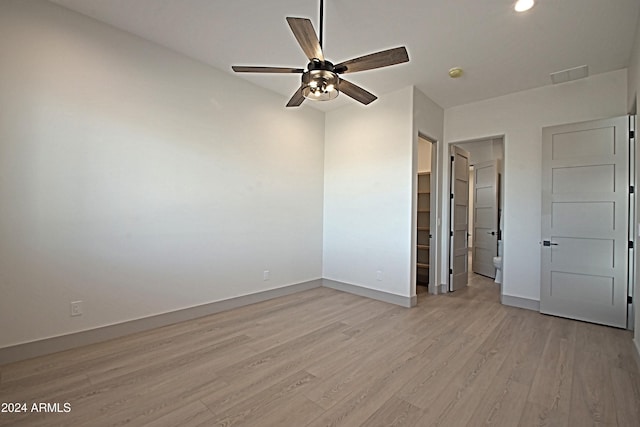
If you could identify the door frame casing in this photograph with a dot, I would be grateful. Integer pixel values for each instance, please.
(634, 227)
(446, 249)
(436, 211)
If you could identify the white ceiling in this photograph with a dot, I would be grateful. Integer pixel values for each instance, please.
(500, 50)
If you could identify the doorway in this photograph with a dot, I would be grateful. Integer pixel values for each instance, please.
(476, 187)
(426, 224)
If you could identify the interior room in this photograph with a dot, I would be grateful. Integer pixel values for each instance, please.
(206, 218)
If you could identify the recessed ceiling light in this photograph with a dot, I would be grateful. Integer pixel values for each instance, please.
(524, 5)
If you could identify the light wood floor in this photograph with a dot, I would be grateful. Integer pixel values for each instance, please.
(324, 357)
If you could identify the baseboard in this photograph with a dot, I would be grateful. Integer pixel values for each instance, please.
(66, 342)
(529, 304)
(371, 293)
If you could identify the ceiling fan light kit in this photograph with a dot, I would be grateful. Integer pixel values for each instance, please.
(320, 84)
(321, 80)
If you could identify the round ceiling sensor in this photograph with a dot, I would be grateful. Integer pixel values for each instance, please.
(456, 72)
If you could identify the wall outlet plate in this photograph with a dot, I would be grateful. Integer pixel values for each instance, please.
(76, 308)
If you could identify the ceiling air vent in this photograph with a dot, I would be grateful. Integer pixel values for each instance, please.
(570, 74)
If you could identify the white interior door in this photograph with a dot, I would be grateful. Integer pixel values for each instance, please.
(485, 218)
(458, 260)
(585, 220)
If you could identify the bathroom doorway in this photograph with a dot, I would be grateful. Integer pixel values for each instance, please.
(484, 187)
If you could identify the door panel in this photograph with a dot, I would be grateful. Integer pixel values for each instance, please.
(459, 218)
(585, 221)
(580, 179)
(594, 142)
(485, 218)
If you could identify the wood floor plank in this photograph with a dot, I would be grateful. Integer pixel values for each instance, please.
(282, 352)
(296, 410)
(447, 359)
(249, 411)
(192, 414)
(626, 392)
(374, 344)
(427, 384)
(552, 384)
(504, 401)
(592, 401)
(265, 336)
(348, 378)
(535, 415)
(619, 349)
(252, 376)
(327, 358)
(366, 400)
(501, 404)
(528, 346)
(394, 413)
(467, 387)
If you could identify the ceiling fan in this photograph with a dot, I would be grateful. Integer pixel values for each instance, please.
(320, 80)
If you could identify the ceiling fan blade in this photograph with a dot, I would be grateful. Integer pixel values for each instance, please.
(296, 99)
(356, 92)
(381, 59)
(243, 69)
(307, 38)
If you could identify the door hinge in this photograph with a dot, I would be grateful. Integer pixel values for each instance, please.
(451, 196)
(631, 189)
(630, 244)
(451, 234)
(452, 158)
(450, 271)
(632, 134)
(629, 299)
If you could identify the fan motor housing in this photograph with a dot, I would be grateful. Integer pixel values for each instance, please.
(316, 64)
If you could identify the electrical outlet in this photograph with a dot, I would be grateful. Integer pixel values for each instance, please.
(76, 308)
(265, 275)
(379, 275)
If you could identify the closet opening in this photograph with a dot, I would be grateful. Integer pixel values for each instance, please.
(426, 207)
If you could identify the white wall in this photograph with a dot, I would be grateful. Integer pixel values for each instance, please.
(633, 75)
(483, 151)
(521, 117)
(428, 120)
(371, 161)
(424, 155)
(141, 182)
(367, 194)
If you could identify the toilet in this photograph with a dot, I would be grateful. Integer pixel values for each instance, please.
(497, 263)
